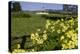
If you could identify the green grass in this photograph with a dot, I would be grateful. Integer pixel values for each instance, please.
(22, 26)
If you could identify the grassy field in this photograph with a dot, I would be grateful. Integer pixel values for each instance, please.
(24, 26)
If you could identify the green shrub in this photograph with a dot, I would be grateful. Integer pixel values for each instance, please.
(21, 15)
(26, 15)
(44, 16)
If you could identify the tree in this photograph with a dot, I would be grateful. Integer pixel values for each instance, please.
(16, 6)
(70, 7)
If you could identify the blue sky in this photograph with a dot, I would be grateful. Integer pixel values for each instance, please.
(39, 6)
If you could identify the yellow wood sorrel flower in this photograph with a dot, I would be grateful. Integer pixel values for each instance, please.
(32, 36)
(62, 37)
